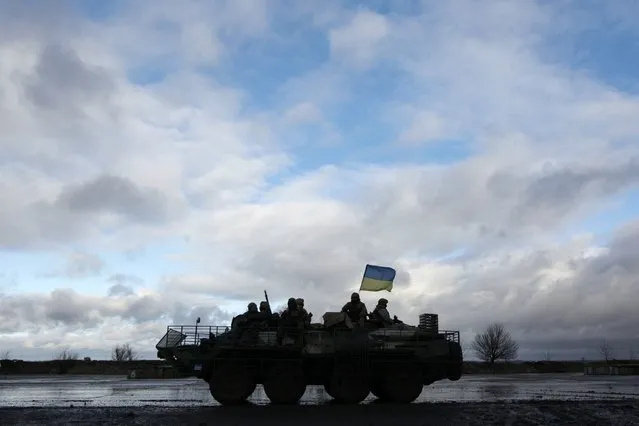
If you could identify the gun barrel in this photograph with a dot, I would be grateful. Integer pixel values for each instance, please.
(268, 302)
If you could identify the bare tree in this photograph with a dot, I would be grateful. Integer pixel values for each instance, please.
(494, 344)
(123, 353)
(548, 356)
(5, 354)
(631, 352)
(66, 359)
(67, 355)
(605, 349)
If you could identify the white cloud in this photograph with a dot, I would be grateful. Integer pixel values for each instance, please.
(426, 126)
(303, 112)
(358, 42)
(89, 157)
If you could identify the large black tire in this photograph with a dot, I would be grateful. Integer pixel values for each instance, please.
(231, 383)
(402, 383)
(349, 388)
(328, 390)
(207, 371)
(285, 384)
(377, 389)
(456, 361)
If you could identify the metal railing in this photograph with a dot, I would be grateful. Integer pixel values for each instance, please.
(186, 335)
(194, 335)
(451, 335)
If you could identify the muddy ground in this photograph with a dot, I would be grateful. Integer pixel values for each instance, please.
(99, 391)
(600, 413)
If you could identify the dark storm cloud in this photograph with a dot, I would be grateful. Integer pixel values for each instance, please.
(42, 224)
(61, 80)
(568, 315)
(556, 193)
(145, 308)
(186, 314)
(72, 102)
(120, 290)
(67, 308)
(115, 194)
(123, 284)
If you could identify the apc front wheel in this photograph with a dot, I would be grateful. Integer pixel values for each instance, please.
(231, 384)
(402, 384)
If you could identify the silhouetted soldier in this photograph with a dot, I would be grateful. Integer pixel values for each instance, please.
(270, 317)
(380, 314)
(306, 317)
(291, 321)
(355, 310)
(265, 308)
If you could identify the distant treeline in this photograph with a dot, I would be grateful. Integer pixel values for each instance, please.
(476, 367)
(97, 367)
(72, 366)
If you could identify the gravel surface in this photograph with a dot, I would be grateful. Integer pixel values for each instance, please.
(579, 413)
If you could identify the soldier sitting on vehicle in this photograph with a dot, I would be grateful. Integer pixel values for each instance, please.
(291, 322)
(271, 318)
(251, 310)
(306, 317)
(251, 319)
(355, 310)
(265, 308)
(380, 316)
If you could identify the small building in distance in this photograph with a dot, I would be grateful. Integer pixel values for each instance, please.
(612, 369)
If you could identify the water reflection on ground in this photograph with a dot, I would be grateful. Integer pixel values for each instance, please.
(118, 391)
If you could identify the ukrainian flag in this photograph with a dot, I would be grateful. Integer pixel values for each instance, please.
(377, 278)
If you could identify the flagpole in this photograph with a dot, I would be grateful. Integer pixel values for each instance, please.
(362, 281)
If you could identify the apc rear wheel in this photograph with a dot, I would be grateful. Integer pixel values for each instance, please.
(285, 384)
(377, 389)
(349, 388)
(328, 390)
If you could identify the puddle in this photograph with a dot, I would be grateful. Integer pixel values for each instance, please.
(97, 391)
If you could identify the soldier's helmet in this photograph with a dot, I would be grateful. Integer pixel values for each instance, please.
(292, 304)
(252, 307)
(299, 301)
(355, 297)
(264, 306)
(382, 302)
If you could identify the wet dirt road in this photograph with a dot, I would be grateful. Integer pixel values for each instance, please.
(539, 400)
(104, 391)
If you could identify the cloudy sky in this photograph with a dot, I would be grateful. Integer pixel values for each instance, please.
(162, 162)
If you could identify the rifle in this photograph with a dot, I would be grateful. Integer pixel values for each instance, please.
(268, 303)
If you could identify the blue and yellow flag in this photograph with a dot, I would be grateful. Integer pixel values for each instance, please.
(377, 278)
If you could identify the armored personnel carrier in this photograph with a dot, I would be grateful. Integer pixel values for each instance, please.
(394, 363)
